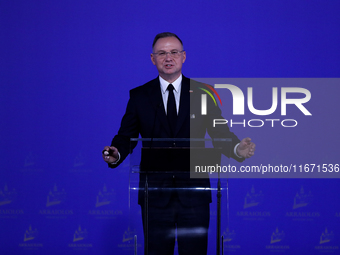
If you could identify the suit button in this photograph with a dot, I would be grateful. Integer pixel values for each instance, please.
(174, 144)
(173, 177)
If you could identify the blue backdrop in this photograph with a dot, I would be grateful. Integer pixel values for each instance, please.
(66, 69)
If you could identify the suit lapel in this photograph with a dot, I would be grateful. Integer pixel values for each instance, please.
(184, 104)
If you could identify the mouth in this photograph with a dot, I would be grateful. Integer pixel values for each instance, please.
(168, 66)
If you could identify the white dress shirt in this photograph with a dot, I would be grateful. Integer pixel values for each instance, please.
(165, 93)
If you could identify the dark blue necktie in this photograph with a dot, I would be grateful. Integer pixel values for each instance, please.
(171, 109)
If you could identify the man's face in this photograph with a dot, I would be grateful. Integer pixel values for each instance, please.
(169, 67)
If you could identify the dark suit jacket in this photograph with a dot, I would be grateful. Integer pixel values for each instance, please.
(145, 116)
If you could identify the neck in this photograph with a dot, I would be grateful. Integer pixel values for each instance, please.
(170, 78)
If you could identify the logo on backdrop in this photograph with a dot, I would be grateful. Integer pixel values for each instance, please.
(7, 196)
(253, 198)
(55, 196)
(30, 235)
(29, 159)
(129, 235)
(80, 235)
(302, 199)
(55, 200)
(79, 160)
(105, 197)
(326, 236)
(326, 243)
(105, 203)
(79, 164)
(252, 205)
(229, 236)
(29, 164)
(128, 240)
(275, 238)
(301, 202)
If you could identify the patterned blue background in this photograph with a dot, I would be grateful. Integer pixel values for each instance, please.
(66, 69)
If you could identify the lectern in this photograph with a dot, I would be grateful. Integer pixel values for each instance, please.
(188, 167)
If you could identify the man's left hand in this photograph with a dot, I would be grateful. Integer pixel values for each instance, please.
(246, 148)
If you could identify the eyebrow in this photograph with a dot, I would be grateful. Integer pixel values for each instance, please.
(165, 51)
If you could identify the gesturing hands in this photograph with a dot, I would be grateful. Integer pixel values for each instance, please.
(110, 154)
(246, 148)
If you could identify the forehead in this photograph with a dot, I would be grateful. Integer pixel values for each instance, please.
(167, 44)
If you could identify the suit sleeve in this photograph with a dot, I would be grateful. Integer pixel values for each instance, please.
(221, 131)
(129, 128)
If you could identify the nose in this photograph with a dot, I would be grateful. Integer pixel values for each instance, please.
(168, 56)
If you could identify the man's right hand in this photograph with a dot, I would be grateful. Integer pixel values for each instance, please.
(112, 154)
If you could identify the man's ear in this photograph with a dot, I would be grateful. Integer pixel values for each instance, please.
(184, 56)
(152, 59)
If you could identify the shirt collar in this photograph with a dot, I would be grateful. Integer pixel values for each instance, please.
(164, 84)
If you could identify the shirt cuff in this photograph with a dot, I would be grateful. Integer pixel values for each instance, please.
(115, 163)
(235, 150)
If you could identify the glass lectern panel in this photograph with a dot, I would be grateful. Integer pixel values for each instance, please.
(172, 182)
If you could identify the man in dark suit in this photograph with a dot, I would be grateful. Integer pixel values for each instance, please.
(166, 108)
